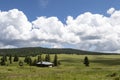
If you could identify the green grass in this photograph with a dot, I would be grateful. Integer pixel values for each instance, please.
(102, 67)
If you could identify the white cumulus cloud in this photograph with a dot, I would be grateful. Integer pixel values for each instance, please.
(93, 32)
(111, 11)
(14, 26)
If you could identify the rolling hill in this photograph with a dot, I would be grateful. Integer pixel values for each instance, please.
(33, 51)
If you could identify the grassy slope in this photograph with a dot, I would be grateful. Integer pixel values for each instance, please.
(71, 68)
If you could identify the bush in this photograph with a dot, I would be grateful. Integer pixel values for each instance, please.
(20, 63)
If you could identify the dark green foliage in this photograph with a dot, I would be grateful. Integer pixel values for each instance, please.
(16, 58)
(10, 59)
(39, 58)
(20, 63)
(33, 51)
(55, 62)
(86, 61)
(28, 60)
(34, 62)
(3, 61)
(47, 57)
(5, 57)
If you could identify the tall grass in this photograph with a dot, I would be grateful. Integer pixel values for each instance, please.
(102, 67)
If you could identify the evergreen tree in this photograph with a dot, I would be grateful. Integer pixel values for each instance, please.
(10, 59)
(16, 58)
(34, 62)
(5, 57)
(3, 61)
(55, 60)
(30, 61)
(26, 59)
(39, 58)
(47, 57)
(86, 61)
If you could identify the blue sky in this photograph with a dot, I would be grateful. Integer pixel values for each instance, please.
(59, 8)
(91, 25)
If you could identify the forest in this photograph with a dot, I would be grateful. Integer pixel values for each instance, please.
(33, 51)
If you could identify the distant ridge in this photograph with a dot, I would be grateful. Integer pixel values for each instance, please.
(32, 51)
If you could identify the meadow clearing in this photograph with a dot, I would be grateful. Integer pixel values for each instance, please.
(102, 67)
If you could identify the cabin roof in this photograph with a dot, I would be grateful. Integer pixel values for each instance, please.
(45, 63)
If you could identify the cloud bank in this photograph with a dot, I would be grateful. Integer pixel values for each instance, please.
(92, 32)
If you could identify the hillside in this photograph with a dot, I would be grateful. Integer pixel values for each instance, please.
(39, 50)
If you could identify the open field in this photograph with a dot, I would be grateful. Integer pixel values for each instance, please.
(102, 67)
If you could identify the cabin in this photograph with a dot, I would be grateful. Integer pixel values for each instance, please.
(44, 64)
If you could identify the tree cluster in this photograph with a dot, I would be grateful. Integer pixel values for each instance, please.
(47, 58)
(5, 60)
(8, 59)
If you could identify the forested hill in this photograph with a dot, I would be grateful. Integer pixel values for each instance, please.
(32, 51)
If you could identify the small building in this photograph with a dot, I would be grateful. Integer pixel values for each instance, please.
(44, 64)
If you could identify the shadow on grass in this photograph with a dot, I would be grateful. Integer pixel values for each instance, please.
(107, 61)
(71, 60)
(99, 60)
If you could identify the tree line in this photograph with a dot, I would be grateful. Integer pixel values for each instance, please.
(39, 50)
(28, 60)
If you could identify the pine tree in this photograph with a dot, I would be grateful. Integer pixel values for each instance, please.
(39, 58)
(10, 59)
(26, 59)
(5, 57)
(47, 58)
(55, 60)
(86, 61)
(16, 58)
(3, 61)
(30, 61)
(34, 62)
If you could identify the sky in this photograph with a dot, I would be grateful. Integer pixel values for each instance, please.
(92, 25)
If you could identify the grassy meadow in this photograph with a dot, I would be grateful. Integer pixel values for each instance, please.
(102, 67)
